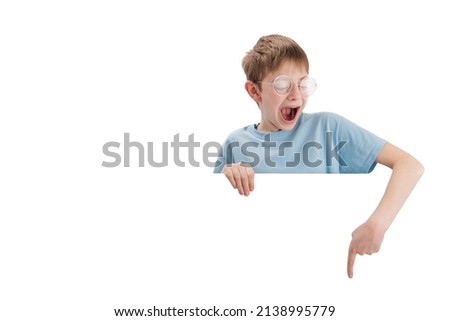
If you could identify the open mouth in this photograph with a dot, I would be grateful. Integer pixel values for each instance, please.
(288, 113)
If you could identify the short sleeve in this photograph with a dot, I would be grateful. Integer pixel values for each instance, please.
(357, 147)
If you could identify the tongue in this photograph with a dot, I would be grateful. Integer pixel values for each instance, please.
(286, 112)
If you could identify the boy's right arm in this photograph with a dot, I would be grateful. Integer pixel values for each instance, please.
(241, 177)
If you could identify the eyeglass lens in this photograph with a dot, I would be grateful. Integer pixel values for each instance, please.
(283, 84)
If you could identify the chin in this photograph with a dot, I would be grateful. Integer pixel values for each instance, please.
(288, 124)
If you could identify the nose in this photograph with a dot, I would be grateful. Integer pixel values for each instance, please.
(295, 94)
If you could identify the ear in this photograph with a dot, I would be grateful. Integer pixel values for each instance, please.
(253, 91)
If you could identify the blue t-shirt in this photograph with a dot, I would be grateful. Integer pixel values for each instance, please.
(319, 143)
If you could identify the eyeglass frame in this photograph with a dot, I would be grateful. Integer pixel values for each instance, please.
(290, 86)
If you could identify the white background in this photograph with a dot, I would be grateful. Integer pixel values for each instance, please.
(78, 240)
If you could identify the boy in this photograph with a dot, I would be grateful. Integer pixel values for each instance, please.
(286, 140)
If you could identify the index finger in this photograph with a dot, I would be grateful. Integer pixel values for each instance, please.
(229, 175)
(251, 178)
(351, 261)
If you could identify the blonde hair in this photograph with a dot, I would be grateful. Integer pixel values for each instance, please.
(267, 55)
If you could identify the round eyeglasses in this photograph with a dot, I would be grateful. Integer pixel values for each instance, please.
(282, 85)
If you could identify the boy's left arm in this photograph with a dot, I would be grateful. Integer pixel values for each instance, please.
(406, 171)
